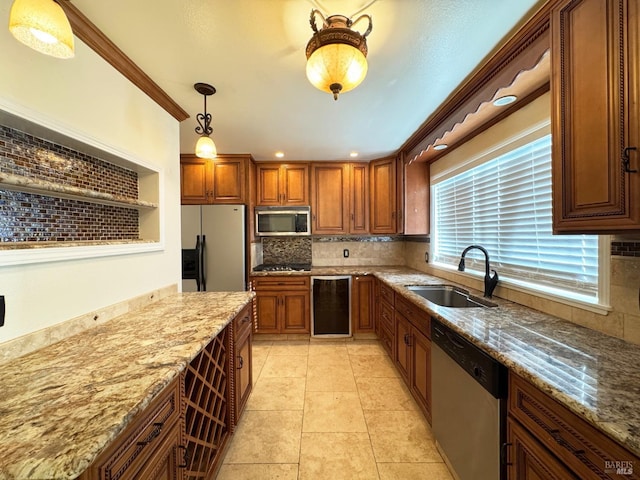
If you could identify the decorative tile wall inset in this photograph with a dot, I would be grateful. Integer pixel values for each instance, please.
(28, 217)
(286, 250)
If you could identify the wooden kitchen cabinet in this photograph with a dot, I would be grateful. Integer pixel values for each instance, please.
(282, 304)
(383, 200)
(223, 180)
(329, 198)
(150, 444)
(417, 197)
(595, 116)
(358, 198)
(530, 460)
(282, 184)
(340, 198)
(384, 322)
(242, 360)
(413, 351)
(362, 309)
(545, 440)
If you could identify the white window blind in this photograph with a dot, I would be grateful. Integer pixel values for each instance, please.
(504, 205)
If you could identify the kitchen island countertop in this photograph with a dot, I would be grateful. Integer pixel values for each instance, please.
(60, 406)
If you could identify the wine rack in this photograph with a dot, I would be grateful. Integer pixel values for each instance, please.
(206, 410)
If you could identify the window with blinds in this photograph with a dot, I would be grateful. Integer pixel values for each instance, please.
(504, 205)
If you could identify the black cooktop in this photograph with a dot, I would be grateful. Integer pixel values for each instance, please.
(283, 267)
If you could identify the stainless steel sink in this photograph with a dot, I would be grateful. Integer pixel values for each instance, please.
(449, 296)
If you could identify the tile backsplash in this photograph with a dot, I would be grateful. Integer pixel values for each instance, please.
(30, 217)
(286, 250)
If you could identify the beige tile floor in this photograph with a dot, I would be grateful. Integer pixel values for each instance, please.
(325, 410)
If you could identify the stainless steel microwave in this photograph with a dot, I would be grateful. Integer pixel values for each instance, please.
(283, 221)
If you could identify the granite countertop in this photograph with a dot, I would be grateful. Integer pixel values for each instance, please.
(61, 405)
(594, 375)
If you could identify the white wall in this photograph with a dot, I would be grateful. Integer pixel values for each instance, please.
(87, 98)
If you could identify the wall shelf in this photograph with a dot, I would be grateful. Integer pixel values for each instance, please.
(29, 185)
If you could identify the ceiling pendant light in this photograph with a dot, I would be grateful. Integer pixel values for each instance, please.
(43, 26)
(205, 148)
(337, 55)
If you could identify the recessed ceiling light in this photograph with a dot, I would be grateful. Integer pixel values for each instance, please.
(353, 154)
(279, 154)
(506, 100)
(441, 146)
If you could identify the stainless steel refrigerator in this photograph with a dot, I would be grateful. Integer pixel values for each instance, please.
(213, 248)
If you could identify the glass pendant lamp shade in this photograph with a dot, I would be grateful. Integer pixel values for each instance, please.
(205, 148)
(43, 26)
(336, 66)
(336, 54)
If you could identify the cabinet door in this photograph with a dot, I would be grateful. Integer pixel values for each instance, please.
(416, 199)
(330, 198)
(267, 312)
(383, 196)
(295, 312)
(294, 184)
(268, 184)
(420, 379)
(359, 198)
(403, 349)
(244, 375)
(595, 52)
(195, 181)
(166, 462)
(362, 311)
(229, 177)
(527, 459)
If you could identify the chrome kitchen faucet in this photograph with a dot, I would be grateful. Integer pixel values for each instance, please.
(490, 281)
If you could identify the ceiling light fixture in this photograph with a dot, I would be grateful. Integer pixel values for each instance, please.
(506, 100)
(205, 148)
(353, 154)
(279, 154)
(337, 55)
(441, 146)
(43, 26)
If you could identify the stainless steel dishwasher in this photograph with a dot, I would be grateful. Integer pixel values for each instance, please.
(469, 391)
(331, 306)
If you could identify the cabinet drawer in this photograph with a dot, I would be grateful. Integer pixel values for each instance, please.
(141, 439)
(418, 318)
(386, 316)
(242, 323)
(386, 293)
(386, 338)
(280, 283)
(580, 446)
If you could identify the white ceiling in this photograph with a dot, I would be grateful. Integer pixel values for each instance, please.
(253, 52)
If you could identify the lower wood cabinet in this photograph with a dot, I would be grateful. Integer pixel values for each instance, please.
(362, 309)
(183, 433)
(529, 459)
(547, 441)
(384, 325)
(282, 304)
(151, 443)
(243, 379)
(412, 352)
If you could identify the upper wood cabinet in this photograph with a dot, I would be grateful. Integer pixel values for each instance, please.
(282, 184)
(595, 90)
(340, 198)
(218, 181)
(415, 220)
(383, 201)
